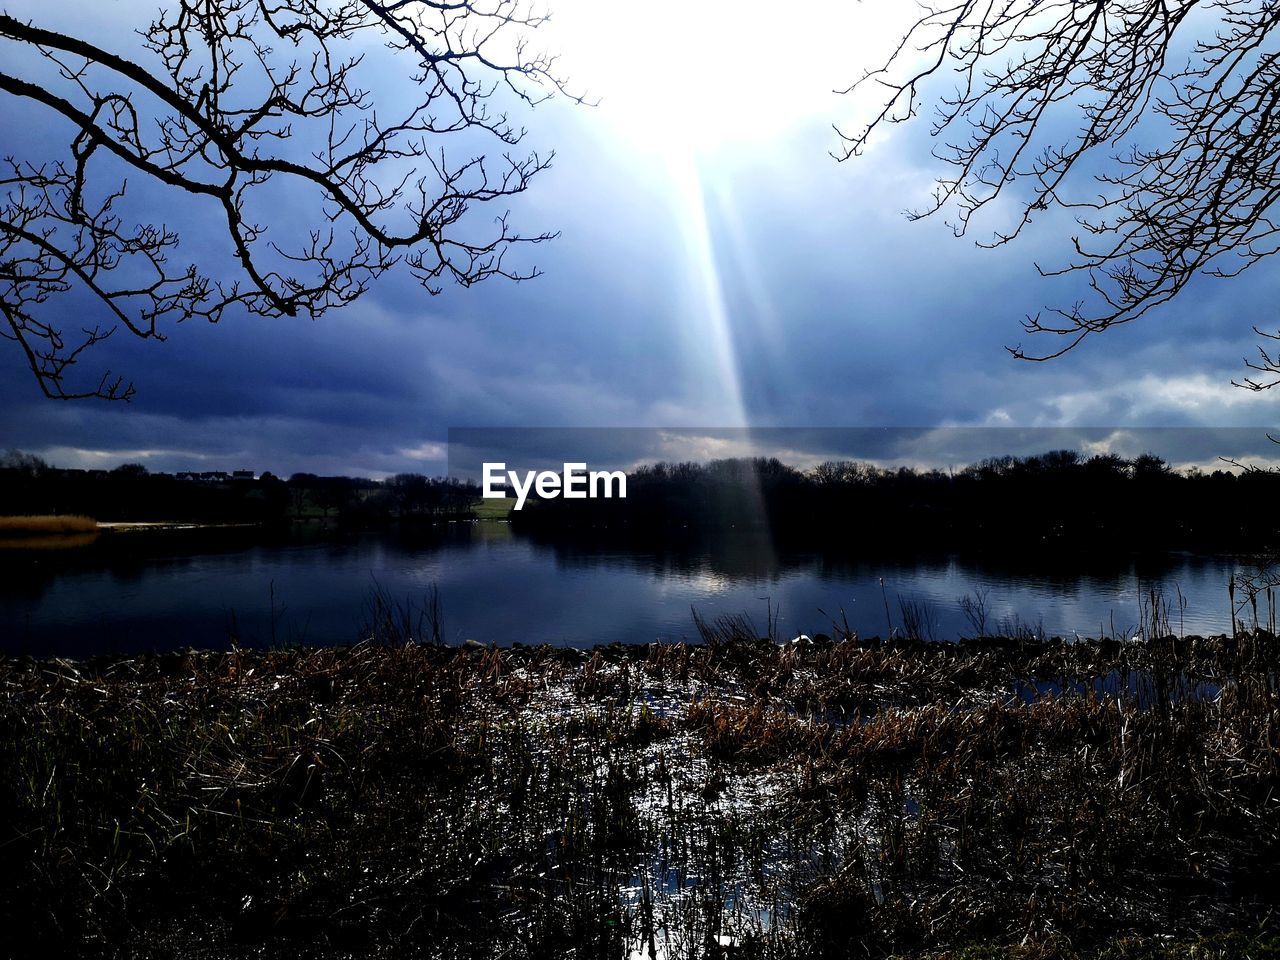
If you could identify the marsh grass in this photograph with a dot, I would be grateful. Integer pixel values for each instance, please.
(737, 798)
(11, 526)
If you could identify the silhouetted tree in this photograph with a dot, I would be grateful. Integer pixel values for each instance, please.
(300, 486)
(1149, 465)
(27, 463)
(1173, 106)
(332, 494)
(264, 116)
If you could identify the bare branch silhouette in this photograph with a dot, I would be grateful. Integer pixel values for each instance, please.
(1169, 106)
(257, 112)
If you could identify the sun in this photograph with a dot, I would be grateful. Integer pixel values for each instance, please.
(705, 75)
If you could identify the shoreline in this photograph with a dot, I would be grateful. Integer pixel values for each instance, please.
(126, 526)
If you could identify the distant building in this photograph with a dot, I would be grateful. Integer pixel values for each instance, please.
(214, 476)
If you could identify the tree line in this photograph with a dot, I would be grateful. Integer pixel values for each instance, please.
(131, 493)
(1062, 497)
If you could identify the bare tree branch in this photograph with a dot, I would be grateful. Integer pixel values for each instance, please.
(246, 106)
(1176, 99)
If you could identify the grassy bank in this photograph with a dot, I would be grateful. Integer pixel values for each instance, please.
(495, 509)
(830, 799)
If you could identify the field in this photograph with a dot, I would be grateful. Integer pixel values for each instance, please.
(494, 509)
(735, 798)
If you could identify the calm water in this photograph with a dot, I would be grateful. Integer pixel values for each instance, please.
(144, 591)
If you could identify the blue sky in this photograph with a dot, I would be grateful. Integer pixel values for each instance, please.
(715, 268)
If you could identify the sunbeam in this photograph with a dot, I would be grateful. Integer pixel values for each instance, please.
(694, 87)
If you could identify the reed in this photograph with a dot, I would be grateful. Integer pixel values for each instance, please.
(45, 525)
(1010, 797)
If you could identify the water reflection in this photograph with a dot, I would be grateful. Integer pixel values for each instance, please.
(170, 589)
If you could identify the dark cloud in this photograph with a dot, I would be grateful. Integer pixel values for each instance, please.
(837, 312)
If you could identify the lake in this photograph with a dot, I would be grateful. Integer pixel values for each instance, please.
(167, 590)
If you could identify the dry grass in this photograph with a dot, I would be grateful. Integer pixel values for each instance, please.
(841, 799)
(42, 526)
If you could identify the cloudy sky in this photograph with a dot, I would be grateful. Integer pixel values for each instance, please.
(715, 268)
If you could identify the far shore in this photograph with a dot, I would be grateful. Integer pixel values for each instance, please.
(55, 524)
(49, 532)
(123, 526)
